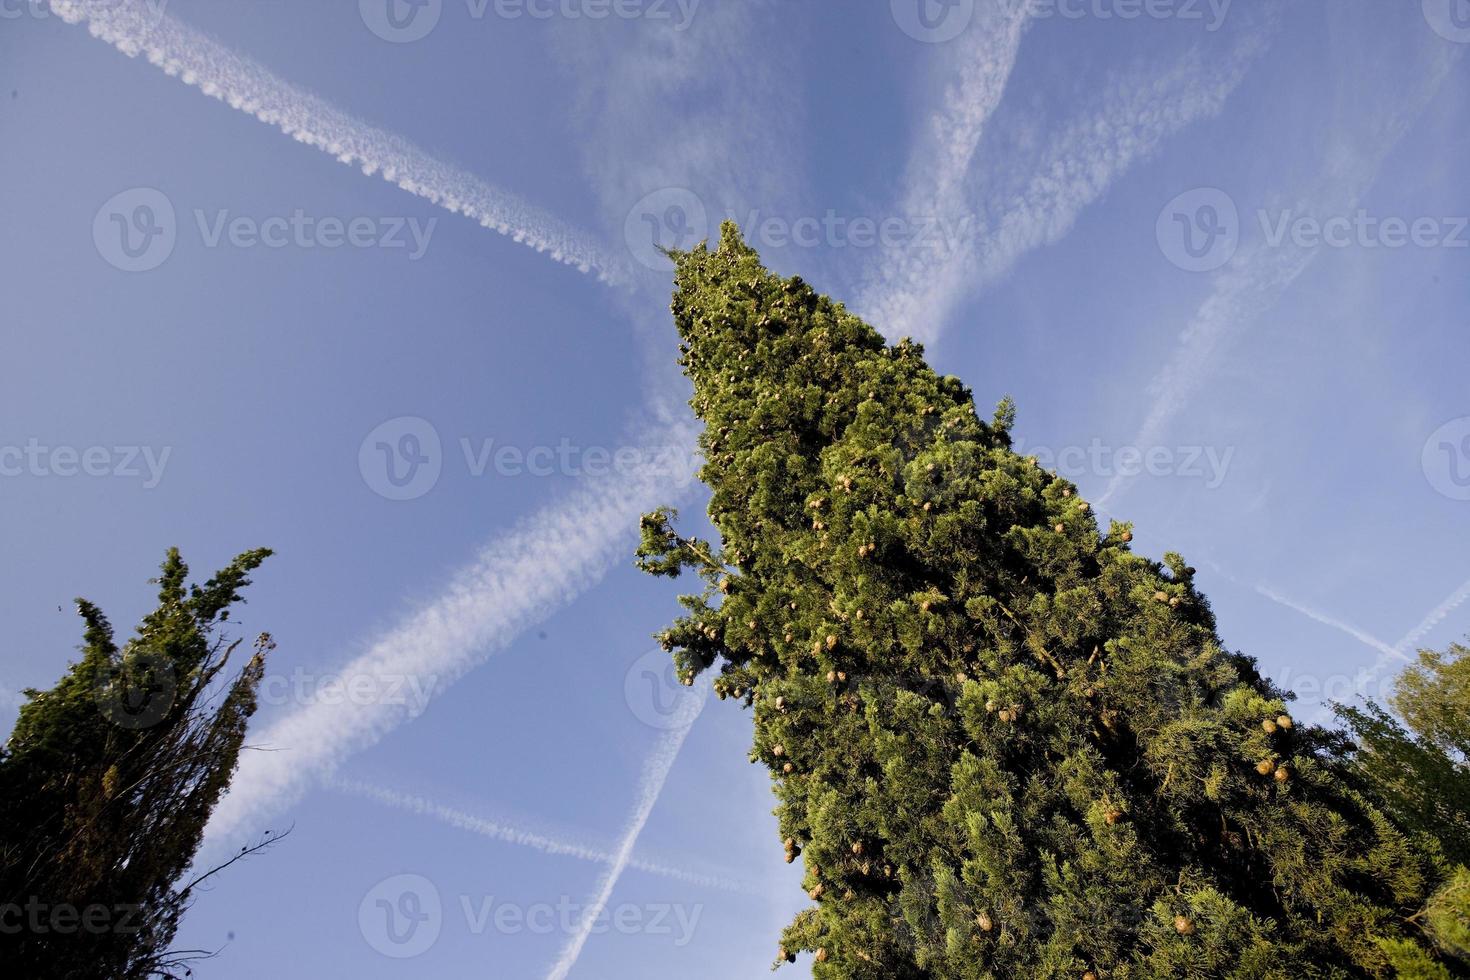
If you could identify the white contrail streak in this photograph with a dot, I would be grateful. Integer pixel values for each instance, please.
(139, 28)
(1262, 273)
(544, 843)
(1360, 635)
(1410, 640)
(655, 772)
(982, 235)
(1434, 617)
(518, 580)
(941, 160)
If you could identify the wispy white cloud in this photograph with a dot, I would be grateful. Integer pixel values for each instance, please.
(650, 785)
(519, 578)
(139, 28)
(1013, 208)
(1262, 272)
(545, 843)
(979, 66)
(721, 80)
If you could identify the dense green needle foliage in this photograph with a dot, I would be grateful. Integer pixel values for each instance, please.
(1420, 769)
(108, 780)
(1005, 746)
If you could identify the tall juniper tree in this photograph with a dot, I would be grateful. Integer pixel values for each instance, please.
(108, 779)
(1005, 745)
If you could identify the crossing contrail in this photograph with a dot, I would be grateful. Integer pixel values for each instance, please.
(1018, 207)
(1262, 273)
(519, 578)
(140, 28)
(650, 785)
(545, 843)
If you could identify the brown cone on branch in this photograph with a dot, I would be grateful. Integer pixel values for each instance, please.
(1183, 925)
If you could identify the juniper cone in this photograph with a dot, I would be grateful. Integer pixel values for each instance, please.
(1099, 795)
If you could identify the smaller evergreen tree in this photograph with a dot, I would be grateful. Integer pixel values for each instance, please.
(1419, 769)
(108, 779)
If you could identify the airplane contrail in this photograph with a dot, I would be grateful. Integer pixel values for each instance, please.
(919, 283)
(519, 578)
(1362, 636)
(1399, 651)
(1262, 273)
(545, 843)
(655, 773)
(138, 28)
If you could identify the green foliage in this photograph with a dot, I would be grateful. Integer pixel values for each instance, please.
(1433, 697)
(108, 779)
(1418, 772)
(1425, 790)
(1004, 745)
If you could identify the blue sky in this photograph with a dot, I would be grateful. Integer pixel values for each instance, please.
(1217, 252)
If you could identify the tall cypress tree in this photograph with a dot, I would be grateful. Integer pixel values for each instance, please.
(109, 778)
(1005, 745)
